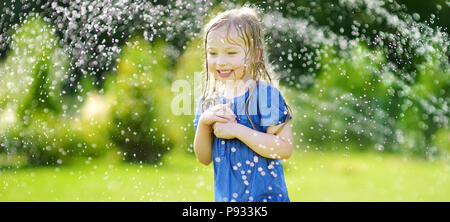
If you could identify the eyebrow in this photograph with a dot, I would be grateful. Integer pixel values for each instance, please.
(228, 47)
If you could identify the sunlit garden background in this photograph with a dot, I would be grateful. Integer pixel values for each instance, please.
(87, 95)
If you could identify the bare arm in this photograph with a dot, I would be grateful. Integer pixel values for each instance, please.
(273, 144)
(203, 143)
(204, 136)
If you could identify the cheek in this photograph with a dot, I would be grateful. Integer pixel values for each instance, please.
(211, 63)
(238, 62)
(212, 68)
(239, 65)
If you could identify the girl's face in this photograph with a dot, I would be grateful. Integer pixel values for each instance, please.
(226, 59)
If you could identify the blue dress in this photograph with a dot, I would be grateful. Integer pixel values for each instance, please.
(240, 174)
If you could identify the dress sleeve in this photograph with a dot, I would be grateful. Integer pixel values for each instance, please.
(272, 106)
(198, 113)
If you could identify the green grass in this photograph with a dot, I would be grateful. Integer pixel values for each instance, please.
(311, 176)
(338, 176)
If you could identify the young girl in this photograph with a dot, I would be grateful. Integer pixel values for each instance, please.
(241, 119)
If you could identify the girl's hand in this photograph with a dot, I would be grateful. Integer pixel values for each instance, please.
(218, 113)
(225, 130)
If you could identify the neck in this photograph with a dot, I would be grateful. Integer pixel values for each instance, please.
(231, 89)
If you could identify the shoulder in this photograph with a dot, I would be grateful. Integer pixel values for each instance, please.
(199, 104)
(199, 100)
(265, 84)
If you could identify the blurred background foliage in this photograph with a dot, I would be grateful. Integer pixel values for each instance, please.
(76, 81)
(141, 123)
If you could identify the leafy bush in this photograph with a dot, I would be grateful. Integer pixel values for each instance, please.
(50, 140)
(140, 109)
(92, 124)
(357, 101)
(188, 69)
(34, 115)
(441, 139)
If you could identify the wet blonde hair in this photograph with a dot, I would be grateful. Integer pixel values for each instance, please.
(247, 24)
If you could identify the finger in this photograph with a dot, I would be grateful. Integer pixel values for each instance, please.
(228, 117)
(220, 119)
(225, 114)
(231, 116)
(220, 106)
(225, 110)
(214, 108)
(230, 111)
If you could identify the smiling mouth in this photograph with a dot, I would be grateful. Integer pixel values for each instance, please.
(225, 72)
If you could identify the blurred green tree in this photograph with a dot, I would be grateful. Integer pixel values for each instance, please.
(140, 91)
(35, 117)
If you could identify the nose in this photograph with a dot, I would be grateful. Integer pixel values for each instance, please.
(221, 61)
